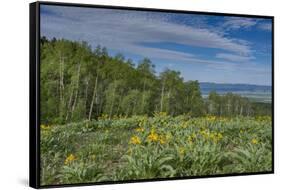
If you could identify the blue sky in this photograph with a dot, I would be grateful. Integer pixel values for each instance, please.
(202, 47)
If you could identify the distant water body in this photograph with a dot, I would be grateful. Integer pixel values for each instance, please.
(257, 93)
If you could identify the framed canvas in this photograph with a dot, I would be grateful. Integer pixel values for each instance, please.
(120, 94)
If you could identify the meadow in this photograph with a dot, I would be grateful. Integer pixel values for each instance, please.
(108, 118)
(159, 146)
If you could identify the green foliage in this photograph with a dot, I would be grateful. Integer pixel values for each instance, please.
(251, 159)
(260, 108)
(194, 100)
(151, 163)
(230, 105)
(142, 147)
(80, 83)
(79, 172)
(104, 119)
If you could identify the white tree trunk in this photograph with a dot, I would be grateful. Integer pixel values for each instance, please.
(93, 99)
(162, 96)
(77, 89)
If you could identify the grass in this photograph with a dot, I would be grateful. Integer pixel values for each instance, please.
(142, 147)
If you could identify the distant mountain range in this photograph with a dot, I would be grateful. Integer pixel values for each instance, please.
(206, 87)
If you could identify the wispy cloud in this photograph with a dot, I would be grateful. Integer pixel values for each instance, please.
(126, 31)
(265, 26)
(117, 29)
(238, 22)
(234, 58)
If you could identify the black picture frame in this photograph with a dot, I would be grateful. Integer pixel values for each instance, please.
(34, 91)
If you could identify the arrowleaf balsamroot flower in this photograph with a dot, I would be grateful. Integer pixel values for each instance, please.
(135, 140)
(69, 159)
(140, 129)
(152, 137)
(254, 141)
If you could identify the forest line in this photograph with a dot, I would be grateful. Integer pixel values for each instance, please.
(78, 83)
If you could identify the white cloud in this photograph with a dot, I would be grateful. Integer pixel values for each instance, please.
(239, 22)
(233, 57)
(235, 23)
(265, 26)
(127, 31)
(123, 31)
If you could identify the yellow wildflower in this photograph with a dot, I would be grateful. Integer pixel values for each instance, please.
(69, 159)
(162, 140)
(254, 141)
(205, 133)
(140, 129)
(169, 136)
(189, 139)
(185, 124)
(220, 136)
(135, 140)
(193, 135)
(211, 118)
(181, 150)
(45, 127)
(163, 114)
(153, 136)
(160, 114)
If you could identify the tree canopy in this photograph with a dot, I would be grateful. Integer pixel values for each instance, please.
(81, 83)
